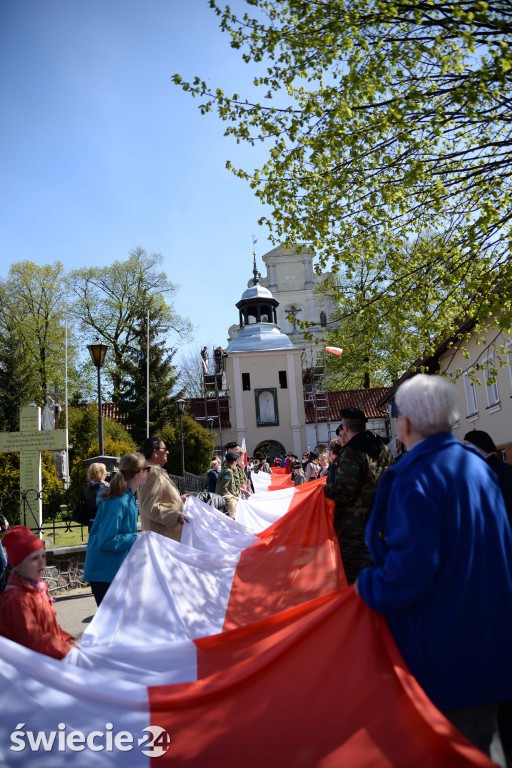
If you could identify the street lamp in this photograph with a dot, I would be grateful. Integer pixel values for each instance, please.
(181, 403)
(98, 352)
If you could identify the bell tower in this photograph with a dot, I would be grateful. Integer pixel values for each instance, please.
(264, 376)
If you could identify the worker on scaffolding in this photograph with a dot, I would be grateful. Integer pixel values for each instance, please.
(218, 355)
(204, 360)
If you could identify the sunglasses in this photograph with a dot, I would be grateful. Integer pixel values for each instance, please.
(145, 469)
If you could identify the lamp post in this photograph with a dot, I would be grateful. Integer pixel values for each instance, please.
(181, 403)
(98, 352)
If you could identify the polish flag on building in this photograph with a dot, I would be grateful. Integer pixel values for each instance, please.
(236, 647)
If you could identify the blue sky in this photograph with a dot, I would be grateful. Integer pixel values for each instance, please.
(101, 153)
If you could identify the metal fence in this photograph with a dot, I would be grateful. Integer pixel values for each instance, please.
(22, 507)
(190, 483)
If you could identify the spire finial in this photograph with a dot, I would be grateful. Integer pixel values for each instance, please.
(255, 272)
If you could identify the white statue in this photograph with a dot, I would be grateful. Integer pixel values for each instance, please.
(48, 415)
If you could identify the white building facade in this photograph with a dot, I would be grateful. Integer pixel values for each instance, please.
(264, 379)
(291, 279)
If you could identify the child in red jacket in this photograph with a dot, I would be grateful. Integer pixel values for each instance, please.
(26, 608)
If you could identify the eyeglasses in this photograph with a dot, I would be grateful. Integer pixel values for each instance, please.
(165, 450)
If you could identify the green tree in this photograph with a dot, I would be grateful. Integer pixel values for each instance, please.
(16, 379)
(112, 302)
(385, 121)
(162, 378)
(10, 473)
(53, 494)
(379, 340)
(198, 444)
(83, 441)
(33, 327)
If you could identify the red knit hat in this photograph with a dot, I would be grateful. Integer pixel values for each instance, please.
(20, 542)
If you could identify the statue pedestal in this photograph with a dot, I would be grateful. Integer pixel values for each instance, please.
(111, 462)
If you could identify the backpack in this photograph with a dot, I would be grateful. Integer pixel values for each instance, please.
(80, 513)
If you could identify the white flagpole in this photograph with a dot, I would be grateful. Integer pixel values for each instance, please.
(66, 479)
(147, 378)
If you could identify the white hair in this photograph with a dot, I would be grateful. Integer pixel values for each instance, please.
(429, 402)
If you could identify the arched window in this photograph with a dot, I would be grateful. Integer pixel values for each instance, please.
(323, 319)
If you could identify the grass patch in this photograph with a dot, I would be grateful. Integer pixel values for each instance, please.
(65, 534)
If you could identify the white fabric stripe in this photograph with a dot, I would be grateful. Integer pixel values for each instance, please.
(211, 531)
(164, 594)
(37, 693)
(261, 481)
(177, 591)
(262, 509)
(163, 664)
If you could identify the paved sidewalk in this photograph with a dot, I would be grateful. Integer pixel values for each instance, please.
(75, 609)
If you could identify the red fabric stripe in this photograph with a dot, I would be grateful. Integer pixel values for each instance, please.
(295, 560)
(322, 685)
(280, 478)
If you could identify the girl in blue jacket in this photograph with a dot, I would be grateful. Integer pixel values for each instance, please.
(114, 529)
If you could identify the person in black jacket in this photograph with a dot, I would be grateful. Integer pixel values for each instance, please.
(352, 487)
(485, 444)
(96, 476)
(4, 526)
(213, 475)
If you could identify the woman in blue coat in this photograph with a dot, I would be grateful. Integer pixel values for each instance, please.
(114, 529)
(441, 547)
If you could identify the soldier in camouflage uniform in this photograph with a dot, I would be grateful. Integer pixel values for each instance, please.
(243, 479)
(359, 468)
(228, 483)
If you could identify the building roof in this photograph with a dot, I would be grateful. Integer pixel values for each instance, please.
(257, 291)
(258, 338)
(367, 400)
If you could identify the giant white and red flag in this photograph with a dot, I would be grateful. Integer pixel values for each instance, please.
(237, 647)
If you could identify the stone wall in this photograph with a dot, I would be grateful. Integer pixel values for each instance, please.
(65, 568)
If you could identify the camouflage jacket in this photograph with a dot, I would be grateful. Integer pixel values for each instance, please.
(241, 476)
(359, 468)
(228, 482)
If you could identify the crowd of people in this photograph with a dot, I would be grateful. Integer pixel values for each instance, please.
(424, 531)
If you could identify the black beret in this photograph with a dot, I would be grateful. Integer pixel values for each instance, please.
(481, 439)
(353, 413)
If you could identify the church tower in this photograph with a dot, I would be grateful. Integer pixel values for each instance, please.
(263, 372)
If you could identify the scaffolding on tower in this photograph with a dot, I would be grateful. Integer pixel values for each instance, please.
(316, 394)
(215, 394)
